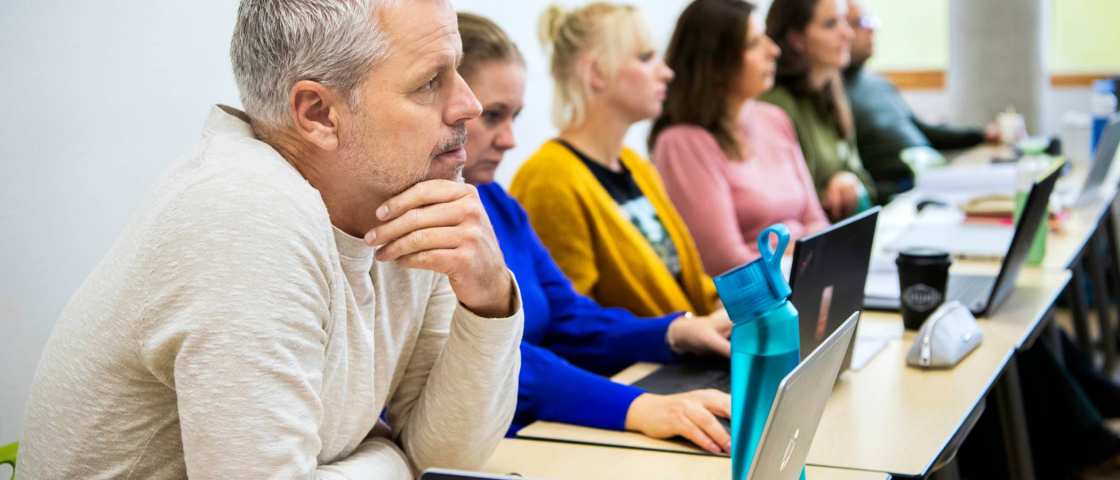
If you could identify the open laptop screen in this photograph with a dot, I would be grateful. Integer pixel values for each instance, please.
(1105, 156)
(1035, 211)
(828, 276)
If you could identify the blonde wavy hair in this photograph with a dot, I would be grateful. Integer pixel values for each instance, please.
(607, 33)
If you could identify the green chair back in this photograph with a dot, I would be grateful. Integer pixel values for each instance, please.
(8, 456)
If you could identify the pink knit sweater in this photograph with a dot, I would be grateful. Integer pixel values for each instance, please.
(726, 203)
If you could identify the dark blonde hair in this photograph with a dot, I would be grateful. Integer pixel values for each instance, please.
(607, 32)
(484, 41)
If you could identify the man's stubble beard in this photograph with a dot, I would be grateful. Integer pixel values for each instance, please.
(458, 139)
(456, 175)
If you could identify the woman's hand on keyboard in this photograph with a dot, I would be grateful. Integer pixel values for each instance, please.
(701, 335)
(691, 415)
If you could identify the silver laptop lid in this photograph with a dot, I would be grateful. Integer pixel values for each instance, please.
(798, 407)
(1102, 161)
(448, 474)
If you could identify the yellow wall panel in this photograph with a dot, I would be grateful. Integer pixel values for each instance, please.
(914, 35)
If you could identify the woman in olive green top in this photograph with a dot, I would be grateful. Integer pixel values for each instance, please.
(815, 41)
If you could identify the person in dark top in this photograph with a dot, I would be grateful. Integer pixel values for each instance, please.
(884, 123)
(1065, 401)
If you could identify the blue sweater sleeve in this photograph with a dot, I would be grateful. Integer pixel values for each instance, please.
(554, 390)
(568, 336)
(601, 339)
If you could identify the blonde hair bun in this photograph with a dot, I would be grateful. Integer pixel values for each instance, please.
(607, 33)
(552, 20)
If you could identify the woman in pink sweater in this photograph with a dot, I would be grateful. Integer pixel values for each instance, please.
(732, 166)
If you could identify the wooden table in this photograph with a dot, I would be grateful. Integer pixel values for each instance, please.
(1088, 230)
(561, 461)
(887, 417)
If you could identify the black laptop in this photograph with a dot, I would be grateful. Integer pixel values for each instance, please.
(982, 294)
(1102, 164)
(827, 276)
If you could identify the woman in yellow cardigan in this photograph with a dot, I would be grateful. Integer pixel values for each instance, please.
(598, 206)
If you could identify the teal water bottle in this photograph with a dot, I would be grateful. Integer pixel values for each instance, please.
(765, 343)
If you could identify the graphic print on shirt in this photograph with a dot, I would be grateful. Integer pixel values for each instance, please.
(641, 214)
(634, 205)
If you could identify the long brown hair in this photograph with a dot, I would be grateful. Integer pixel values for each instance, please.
(788, 16)
(706, 54)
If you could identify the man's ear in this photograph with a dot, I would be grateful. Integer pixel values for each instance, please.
(315, 111)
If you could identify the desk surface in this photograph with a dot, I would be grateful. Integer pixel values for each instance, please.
(555, 460)
(1062, 247)
(887, 417)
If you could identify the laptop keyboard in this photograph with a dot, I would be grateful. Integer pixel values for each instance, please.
(721, 382)
(972, 291)
(687, 376)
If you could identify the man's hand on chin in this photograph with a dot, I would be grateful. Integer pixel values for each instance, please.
(441, 225)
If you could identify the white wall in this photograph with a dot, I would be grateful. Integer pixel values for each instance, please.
(101, 96)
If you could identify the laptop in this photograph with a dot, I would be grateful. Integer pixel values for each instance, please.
(982, 294)
(790, 424)
(448, 474)
(827, 276)
(1102, 164)
(798, 407)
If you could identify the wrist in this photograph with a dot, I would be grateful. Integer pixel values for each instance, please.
(500, 303)
(633, 414)
(672, 334)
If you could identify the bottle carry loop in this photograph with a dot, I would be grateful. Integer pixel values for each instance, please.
(772, 257)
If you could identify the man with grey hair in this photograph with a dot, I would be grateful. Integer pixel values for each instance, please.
(885, 124)
(312, 294)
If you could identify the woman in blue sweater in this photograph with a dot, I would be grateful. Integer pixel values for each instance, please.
(571, 342)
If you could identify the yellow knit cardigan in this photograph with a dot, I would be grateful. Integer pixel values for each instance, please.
(597, 247)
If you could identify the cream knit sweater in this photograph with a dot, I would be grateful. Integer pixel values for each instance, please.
(232, 332)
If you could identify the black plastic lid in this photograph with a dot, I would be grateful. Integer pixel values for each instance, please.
(923, 255)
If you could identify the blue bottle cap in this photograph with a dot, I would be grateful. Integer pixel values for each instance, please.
(758, 286)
